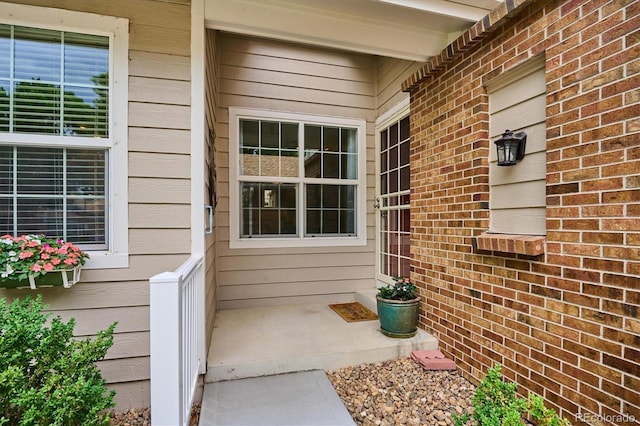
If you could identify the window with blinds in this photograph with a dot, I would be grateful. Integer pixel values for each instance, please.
(54, 113)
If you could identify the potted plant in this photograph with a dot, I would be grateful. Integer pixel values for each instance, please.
(398, 308)
(38, 261)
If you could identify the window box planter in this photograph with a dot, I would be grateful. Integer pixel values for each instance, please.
(32, 261)
(56, 278)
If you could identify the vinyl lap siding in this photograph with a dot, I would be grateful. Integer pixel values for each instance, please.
(159, 187)
(391, 73)
(211, 113)
(287, 77)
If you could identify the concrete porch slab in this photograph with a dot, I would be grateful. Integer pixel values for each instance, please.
(306, 398)
(282, 339)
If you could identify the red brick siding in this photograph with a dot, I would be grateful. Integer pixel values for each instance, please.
(564, 324)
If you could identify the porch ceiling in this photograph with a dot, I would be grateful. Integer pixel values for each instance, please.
(405, 29)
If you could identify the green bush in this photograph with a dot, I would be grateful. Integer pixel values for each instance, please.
(46, 376)
(495, 403)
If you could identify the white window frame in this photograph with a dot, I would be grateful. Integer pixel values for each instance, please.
(117, 29)
(393, 115)
(236, 241)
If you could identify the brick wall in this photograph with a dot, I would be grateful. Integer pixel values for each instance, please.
(564, 324)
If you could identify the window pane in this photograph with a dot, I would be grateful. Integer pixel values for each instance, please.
(5, 51)
(249, 133)
(263, 153)
(269, 134)
(37, 54)
(85, 112)
(6, 169)
(349, 166)
(349, 141)
(40, 171)
(6, 216)
(40, 216)
(330, 209)
(36, 107)
(264, 209)
(86, 59)
(289, 136)
(4, 105)
(59, 192)
(330, 139)
(404, 128)
(330, 166)
(60, 82)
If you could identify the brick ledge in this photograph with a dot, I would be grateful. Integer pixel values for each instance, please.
(529, 245)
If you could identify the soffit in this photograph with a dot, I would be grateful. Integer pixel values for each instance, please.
(405, 29)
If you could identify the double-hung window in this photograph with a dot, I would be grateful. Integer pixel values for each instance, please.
(297, 180)
(63, 103)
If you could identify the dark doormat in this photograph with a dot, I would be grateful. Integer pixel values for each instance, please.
(353, 312)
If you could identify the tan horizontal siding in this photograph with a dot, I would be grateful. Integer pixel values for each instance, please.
(278, 76)
(159, 189)
(518, 194)
(212, 158)
(390, 74)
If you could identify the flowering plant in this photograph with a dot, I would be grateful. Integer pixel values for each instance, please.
(35, 255)
(402, 289)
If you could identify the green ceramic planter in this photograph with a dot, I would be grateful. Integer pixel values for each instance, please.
(398, 318)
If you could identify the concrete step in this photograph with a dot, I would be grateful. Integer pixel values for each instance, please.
(282, 339)
(367, 297)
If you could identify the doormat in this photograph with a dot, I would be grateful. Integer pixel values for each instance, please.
(353, 312)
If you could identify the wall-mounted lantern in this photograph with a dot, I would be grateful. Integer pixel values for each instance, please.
(511, 147)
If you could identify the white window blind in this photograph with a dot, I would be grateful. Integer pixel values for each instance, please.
(54, 83)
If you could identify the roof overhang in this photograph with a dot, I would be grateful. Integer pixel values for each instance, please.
(406, 29)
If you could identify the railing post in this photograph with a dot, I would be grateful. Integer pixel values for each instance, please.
(166, 362)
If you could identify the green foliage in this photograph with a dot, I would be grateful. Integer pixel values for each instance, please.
(46, 376)
(495, 403)
(402, 289)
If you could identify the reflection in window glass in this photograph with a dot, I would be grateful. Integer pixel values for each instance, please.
(272, 150)
(394, 212)
(268, 209)
(330, 209)
(57, 83)
(268, 148)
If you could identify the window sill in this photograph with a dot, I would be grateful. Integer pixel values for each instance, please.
(529, 245)
(106, 260)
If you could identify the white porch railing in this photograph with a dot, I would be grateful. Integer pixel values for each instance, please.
(177, 341)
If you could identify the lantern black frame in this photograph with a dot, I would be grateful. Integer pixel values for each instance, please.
(511, 147)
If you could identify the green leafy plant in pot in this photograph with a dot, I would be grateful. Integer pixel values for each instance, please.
(398, 305)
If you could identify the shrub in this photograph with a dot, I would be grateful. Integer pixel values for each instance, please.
(46, 376)
(495, 403)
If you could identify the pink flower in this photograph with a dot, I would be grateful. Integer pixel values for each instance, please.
(70, 261)
(25, 254)
(55, 261)
(48, 267)
(36, 268)
(44, 256)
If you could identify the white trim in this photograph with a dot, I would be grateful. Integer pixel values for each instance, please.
(117, 29)
(198, 105)
(370, 30)
(395, 113)
(235, 241)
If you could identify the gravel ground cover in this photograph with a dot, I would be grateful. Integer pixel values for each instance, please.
(400, 392)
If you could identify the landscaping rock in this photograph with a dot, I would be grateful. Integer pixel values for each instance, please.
(400, 392)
